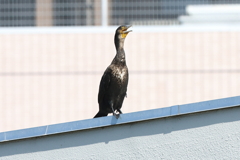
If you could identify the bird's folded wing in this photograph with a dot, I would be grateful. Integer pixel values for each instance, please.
(104, 84)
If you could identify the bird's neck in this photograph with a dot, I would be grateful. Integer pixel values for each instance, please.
(119, 44)
(119, 59)
(120, 56)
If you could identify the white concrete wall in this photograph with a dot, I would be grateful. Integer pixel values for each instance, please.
(48, 78)
(205, 135)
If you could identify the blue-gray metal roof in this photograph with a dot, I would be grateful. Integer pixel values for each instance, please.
(124, 118)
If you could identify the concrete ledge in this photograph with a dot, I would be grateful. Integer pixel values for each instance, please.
(124, 118)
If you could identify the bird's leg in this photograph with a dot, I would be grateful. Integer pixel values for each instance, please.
(119, 111)
(114, 114)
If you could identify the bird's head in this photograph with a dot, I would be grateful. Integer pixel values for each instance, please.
(120, 35)
(122, 31)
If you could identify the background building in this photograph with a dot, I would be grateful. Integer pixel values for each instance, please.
(90, 12)
(53, 54)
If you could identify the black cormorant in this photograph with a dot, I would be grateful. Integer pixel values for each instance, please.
(113, 85)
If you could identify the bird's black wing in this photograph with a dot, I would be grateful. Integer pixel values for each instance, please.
(104, 84)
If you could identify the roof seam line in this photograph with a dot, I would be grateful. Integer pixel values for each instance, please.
(46, 130)
(178, 109)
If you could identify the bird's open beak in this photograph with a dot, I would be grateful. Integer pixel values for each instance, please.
(126, 30)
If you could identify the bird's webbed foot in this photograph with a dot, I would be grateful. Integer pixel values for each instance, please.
(115, 114)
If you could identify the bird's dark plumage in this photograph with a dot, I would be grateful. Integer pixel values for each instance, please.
(113, 85)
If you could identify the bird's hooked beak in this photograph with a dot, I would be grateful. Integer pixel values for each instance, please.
(126, 29)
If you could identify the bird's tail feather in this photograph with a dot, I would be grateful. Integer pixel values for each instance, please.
(100, 114)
